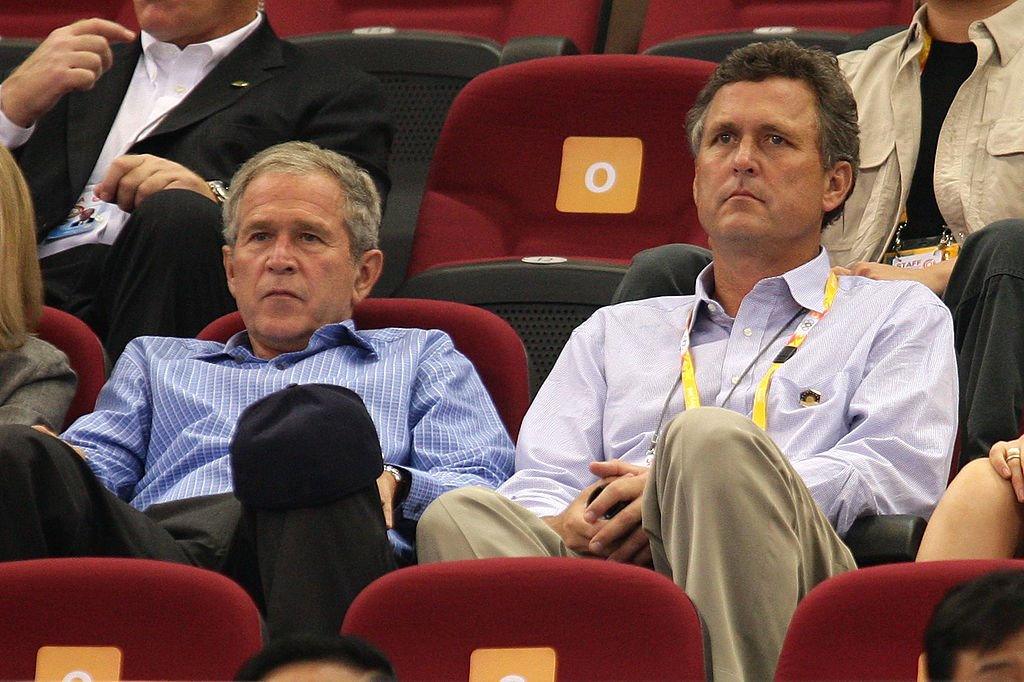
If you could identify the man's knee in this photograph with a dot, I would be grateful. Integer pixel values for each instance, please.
(443, 519)
(304, 446)
(711, 446)
(178, 220)
(24, 447)
(999, 247)
(443, 514)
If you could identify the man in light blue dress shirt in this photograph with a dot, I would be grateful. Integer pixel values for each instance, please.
(730, 438)
(163, 467)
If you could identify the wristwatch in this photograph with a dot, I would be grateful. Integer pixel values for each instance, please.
(402, 478)
(220, 191)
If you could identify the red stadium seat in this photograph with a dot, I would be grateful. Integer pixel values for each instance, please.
(668, 19)
(85, 354)
(582, 21)
(548, 177)
(169, 621)
(574, 606)
(37, 18)
(485, 339)
(869, 624)
(495, 181)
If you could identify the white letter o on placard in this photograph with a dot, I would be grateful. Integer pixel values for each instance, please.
(609, 181)
(78, 676)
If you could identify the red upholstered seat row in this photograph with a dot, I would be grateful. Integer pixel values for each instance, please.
(668, 19)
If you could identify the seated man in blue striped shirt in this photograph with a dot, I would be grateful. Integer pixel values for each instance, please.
(824, 398)
(290, 502)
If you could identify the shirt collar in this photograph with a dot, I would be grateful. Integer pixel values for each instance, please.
(1003, 28)
(158, 53)
(806, 283)
(913, 41)
(329, 336)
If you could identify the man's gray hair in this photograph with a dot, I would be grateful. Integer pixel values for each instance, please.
(837, 109)
(360, 201)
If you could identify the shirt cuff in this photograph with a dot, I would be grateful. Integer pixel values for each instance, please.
(12, 135)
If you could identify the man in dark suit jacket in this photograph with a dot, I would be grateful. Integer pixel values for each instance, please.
(162, 274)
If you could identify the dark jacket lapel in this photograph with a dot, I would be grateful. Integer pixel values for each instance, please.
(249, 64)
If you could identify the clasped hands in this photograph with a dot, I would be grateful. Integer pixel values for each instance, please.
(621, 538)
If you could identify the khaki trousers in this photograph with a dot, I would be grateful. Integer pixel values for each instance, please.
(729, 521)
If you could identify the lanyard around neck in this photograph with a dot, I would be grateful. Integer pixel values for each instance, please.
(691, 396)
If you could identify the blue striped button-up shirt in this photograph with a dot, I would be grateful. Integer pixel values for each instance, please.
(878, 441)
(164, 420)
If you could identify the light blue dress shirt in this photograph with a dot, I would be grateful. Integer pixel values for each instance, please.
(879, 441)
(164, 420)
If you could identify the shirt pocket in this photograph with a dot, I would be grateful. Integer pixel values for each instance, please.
(999, 175)
(1006, 138)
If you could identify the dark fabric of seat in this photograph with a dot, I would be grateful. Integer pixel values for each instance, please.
(716, 46)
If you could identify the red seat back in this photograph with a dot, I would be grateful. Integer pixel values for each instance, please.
(575, 606)
(667, 19)
(494, 186)
(85, 354)
(170, 621)
(37, 18)
(499, 20)
(869, 624)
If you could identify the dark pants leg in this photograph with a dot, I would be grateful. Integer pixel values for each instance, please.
(51, 505)
(669, 270)
(163, 275)
(986, 296)
(305, 563)
(305, 566)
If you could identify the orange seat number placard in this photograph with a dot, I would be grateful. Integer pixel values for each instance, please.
(535, 664)
(78, 664)
(600, 174)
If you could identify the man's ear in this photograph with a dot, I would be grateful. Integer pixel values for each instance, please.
(838, 183)
(229, 267)
(368, 271)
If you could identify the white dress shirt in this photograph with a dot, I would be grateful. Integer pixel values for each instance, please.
(879, 441)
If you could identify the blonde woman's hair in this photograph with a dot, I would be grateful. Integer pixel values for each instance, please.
(21, 284)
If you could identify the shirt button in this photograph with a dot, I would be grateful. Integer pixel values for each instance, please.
(735, 380)
(748, 332)
(179, 89)
(712, 307)
(279, 365)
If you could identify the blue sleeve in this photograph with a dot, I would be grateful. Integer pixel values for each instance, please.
(458, 438)
(115, 436)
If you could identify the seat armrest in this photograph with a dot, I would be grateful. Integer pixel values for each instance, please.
(523, 48)
(885, 539)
